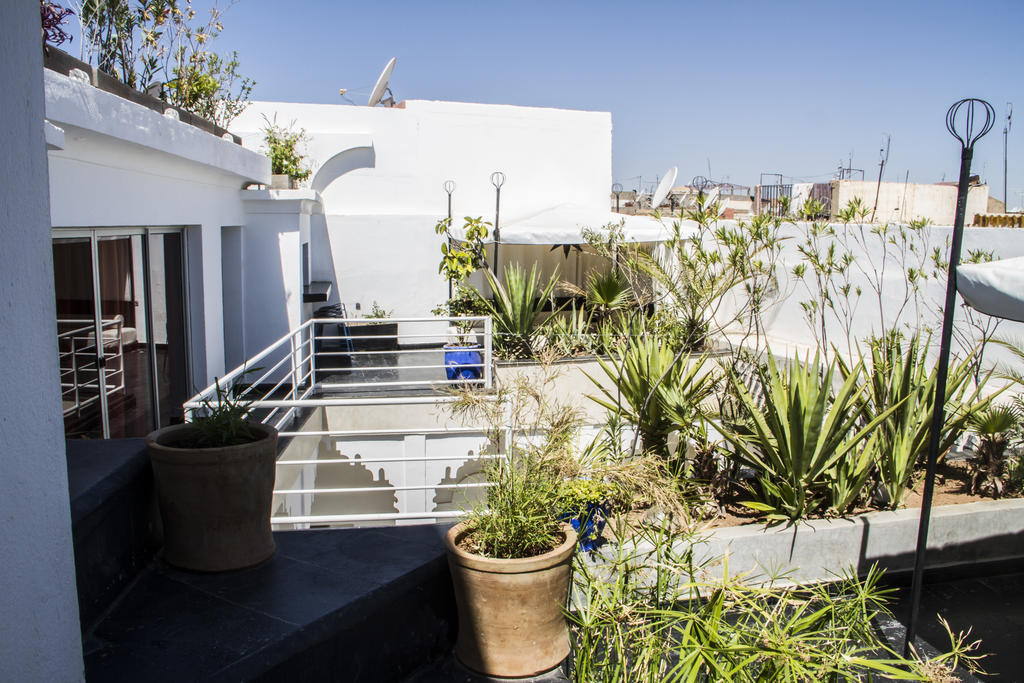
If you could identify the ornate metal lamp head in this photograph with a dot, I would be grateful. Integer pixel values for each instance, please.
(617, 188)
(497, 179)
(700, 183)
(969, 120)
(449, 186)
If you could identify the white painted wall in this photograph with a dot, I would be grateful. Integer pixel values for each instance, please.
(39, 630)
(380, 172)
(276, 222)
(789, 332)
(125, 165)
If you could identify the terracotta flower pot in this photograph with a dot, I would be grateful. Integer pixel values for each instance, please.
(510, 611)
(214, 502)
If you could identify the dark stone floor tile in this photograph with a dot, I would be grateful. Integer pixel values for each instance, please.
(284, 588)
(383, 554)
(171, 630)
(449, 670)
(991, 607)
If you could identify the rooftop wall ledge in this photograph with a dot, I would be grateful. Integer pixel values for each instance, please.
(267, 200)
(71, 103)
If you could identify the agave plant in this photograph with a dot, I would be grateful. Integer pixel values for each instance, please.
(516, 308)
(569, 334)
(902, 381)
(802, 440)
(656, 391)
(987, 466)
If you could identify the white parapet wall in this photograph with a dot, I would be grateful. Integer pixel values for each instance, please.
(790, 334)
(380, 173)
(820, 549)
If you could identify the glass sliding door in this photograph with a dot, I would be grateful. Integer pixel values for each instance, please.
(78, 352)
(170, 341)
(131, 299)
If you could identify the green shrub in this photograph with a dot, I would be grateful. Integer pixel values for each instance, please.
(649, 613)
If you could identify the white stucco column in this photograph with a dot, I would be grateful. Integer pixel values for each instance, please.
(39, 631)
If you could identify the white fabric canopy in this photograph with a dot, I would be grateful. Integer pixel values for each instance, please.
(995, 288)
(564, 224)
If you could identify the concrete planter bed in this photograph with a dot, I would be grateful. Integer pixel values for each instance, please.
(816, 550)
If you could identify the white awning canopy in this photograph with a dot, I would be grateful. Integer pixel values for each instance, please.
(564, 224)
(995, 288)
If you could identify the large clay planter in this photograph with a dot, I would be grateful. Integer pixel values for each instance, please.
(511, 621)
(214, 502)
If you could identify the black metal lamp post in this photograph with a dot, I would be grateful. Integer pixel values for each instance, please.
(617, 189)
(700, 183)
(968, 121)
(497, 179)
(449, 187)
(1006, 134)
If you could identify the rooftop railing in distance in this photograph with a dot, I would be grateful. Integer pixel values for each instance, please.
(340, 361)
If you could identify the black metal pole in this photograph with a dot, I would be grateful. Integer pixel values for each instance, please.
(497, 230)
(497, 179)
(449, 187)
(1006, 134)
(967, 141)
(878, 186)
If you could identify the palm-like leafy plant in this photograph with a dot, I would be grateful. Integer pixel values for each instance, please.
(801, 442)
(986, 467)
(607, 292)
(516, 308)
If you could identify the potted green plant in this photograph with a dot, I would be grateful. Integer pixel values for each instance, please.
(214, 480)
(510, 558)
(460, 258)
(286, 164)
(586, 505)
(463, 359)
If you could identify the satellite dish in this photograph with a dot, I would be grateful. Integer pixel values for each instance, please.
(664, 187)
(381, 86)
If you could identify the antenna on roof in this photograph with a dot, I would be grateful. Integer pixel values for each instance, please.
(382, 85)
(664, 187)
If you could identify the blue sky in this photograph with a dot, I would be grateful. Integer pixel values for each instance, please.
(749, 87)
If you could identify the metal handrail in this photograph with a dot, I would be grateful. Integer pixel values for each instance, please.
(296, 365)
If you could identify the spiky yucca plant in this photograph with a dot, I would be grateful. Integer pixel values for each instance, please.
(902, 379)
(655, 390)
(810, 446)
(516, 308)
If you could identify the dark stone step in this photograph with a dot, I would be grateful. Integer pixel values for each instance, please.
(115, 526)
(332, 605)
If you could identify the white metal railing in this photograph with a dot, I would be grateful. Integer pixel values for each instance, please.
(411, 463)
(408, 475)
(320, 362)
(78, 361)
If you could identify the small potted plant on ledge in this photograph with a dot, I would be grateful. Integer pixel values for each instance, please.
(585, 504)
(510, 559)
(214, 481)
(286, 164)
